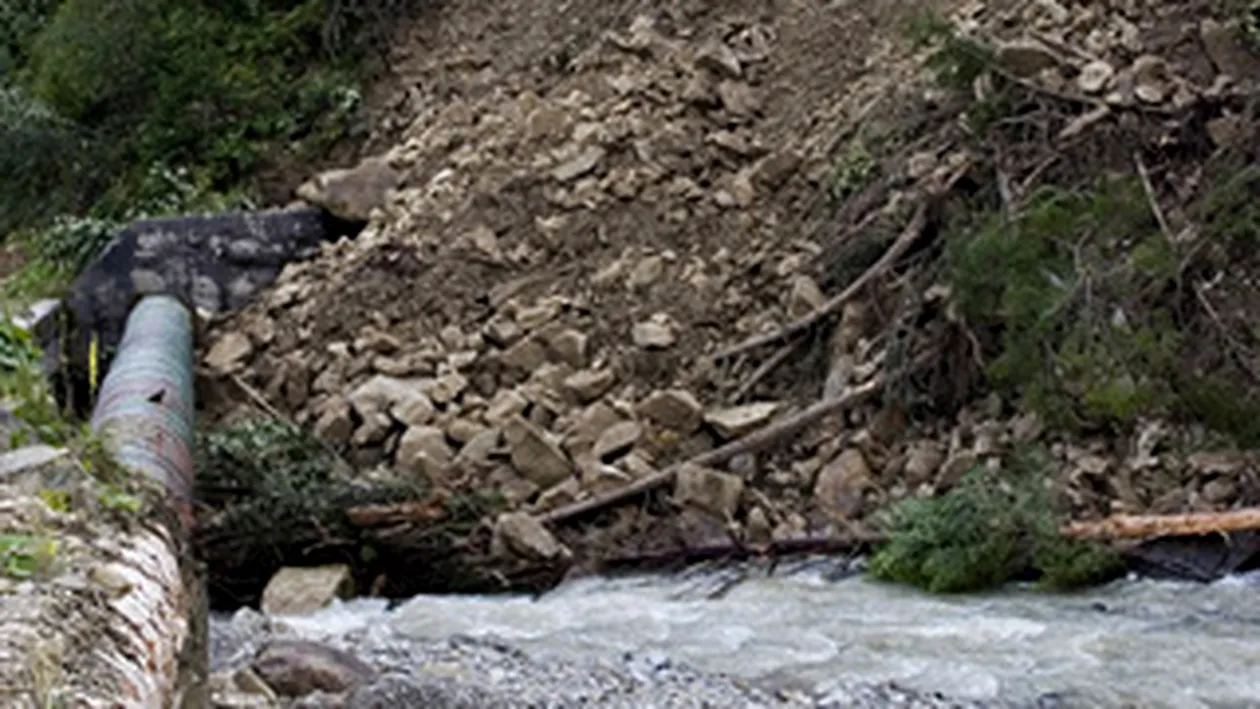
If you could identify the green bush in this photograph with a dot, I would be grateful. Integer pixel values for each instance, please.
(1069, 294)
(25, 390)
(42, 158)
(20, 20)
(98, 97)
(994, 527)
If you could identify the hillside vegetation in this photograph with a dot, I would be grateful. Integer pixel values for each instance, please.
(114, 110)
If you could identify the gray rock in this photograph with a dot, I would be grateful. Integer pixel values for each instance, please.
(534, 455)
(521, 533)
(296, 668)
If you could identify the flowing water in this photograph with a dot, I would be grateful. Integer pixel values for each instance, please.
(1130, 644)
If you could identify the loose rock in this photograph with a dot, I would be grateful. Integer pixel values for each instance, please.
(737, 421)
(674, 409)
(711, 490)
(300, 590)
(295, 668)
(534, 455)
(522, 533)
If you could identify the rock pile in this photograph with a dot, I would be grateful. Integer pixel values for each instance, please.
(1125, 56)
(564, 234)
(530, 309)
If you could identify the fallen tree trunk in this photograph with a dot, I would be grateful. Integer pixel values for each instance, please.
(1151, 526)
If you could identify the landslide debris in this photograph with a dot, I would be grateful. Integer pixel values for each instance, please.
(616, 236)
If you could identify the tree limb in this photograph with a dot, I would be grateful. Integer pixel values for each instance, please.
(757, 440)
(899, 247)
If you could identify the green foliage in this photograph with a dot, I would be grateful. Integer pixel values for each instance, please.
(25, 389)
(852, 173)
(993, 527)
(272, 497)
(103, 101)
(22, 556)
(72, 242)
(20, 20)
(120, 501)
(1069, 290)
(1218, 405)
(272, 479)
(957, 61)
(42, 158)
(263, 458)
(1246, 13)
(1229, 211)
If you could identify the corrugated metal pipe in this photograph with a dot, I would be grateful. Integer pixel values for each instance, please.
(145, 409)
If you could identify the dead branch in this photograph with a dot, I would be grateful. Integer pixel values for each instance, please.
(902, 244)
(757, 440)
(765, 369)
(270, 409)
(404, 512)
(1145, 176)
(1151, 526)
(736, 551)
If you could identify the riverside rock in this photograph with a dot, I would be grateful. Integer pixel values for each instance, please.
(521, 533)
(711, 490)
(295, 667)
(301, 590)
(842, 484)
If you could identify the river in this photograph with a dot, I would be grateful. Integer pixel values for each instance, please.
(1132, 643)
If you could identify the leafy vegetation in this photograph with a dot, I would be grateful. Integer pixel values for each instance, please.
(994, 527)
(271, 479)
(110, 111)
(271, 495)
(1070, 291)
(25, 555)
(26, 391)
(1076, 280)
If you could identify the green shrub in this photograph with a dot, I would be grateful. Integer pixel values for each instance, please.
(24, 388)
(264, 459)
(42, 158)
(994, 527)
(1069, 294)
(107, 94)
(20, 20)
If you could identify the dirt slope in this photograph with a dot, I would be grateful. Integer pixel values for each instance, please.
(595, 197)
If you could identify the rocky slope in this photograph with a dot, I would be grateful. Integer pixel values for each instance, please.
(586, 202)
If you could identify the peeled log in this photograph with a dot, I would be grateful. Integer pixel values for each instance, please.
(1150, 526)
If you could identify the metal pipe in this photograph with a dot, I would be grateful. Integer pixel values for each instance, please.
(145, 409)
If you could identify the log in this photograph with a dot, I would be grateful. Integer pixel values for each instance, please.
(1119, 527)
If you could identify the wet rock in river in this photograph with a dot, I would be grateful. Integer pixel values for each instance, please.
(293, 668)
